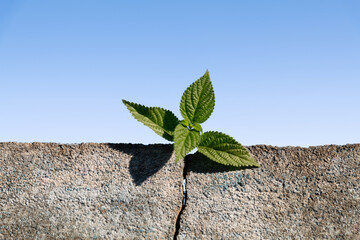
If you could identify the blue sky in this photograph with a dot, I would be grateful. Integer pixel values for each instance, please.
(284, 72)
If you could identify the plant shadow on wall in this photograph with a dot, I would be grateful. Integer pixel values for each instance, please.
(199, 163)
(196, 105)
(146, 160)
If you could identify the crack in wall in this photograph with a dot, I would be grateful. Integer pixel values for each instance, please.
(183, 205)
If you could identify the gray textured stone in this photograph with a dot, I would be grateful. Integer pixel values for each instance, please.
(298, 193)
(88, 191)
(125, 191)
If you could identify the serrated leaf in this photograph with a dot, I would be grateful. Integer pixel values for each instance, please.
(198, 100)
(223, 149)
(185, 140)
(185, 123)
(197, 127)
(162, 121)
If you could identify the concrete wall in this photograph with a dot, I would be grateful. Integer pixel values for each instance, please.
(125, 191)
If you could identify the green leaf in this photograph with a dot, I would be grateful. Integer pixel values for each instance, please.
(185, 140)
(198, 100)
(223, 149)
(197, 127)
(185, 123)
(162, 121)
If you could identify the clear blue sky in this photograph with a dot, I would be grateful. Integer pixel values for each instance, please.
(284, 72)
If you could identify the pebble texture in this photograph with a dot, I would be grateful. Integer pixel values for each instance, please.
(88, 191)
(298, 193)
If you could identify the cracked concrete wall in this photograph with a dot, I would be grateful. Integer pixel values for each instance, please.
(298, 193)
(125, 191)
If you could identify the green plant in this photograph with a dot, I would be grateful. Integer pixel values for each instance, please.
(196, 106)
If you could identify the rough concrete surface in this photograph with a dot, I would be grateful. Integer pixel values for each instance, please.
(88, 191)
(125, 191)
(298, 193)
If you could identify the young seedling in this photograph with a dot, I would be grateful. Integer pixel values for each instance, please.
(196, 106)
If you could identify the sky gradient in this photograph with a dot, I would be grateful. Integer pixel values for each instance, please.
(284, 72)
